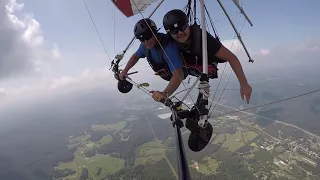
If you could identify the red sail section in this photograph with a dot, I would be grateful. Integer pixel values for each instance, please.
(124, 6)
(131, 7)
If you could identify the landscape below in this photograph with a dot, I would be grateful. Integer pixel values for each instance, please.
(142, 146)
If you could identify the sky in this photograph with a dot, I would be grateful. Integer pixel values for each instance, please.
(50, 45)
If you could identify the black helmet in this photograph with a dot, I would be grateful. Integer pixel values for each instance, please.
(142, 30)
(174, 19)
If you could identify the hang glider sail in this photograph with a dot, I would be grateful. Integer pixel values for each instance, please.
(132, 7)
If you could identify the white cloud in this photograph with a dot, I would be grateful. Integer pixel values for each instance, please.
(16, 21)
(33, 34)
(295, 56)
(88, 76)
(264, 52)
(56, 51)
(100, 77)
(236, 48)
(310, 44)
(84, 79)
(62, 81)
(22, 52)
(12, 6)
(300, 56)
(233, 45)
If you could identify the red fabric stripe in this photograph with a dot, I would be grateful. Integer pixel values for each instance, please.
(124, 6)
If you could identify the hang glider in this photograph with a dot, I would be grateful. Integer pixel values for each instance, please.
(196, 117)
(132, 7)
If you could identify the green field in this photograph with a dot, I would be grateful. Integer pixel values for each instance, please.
(233, 141)
(78, 139)
(104, 140)
(219, 139)
(249, 136)
(90, 145)
(69, 165)
(209, 166)
(99, 166)
(152, 151)
(108, 165)
(117, 126)
(75, 141)
(255, 145)
(110, 127)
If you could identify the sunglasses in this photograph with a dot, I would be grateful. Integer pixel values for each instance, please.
(175, 31)
(145, 36)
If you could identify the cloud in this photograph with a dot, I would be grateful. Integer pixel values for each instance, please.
(62, 81)
(264, 52)
(233, 45)
(296, 57)
(88, 78)
(21, 42)
(13, 6)
(33, 34)
(236, 48)
(43, 87)
(299, 56)
(56, 51)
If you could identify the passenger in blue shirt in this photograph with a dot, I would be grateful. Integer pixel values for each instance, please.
(167, 64)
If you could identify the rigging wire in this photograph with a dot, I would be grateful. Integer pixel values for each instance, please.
(210, 90)
(212, 24)
(114, 30)
(97, 30)
(229, 15)
(274, 102)
(129, 48)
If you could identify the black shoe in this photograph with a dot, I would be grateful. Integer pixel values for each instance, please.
(199, 140)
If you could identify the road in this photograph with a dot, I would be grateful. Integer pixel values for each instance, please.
(274, 120)
(154, 134)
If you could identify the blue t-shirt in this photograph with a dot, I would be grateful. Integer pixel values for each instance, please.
(171, 50)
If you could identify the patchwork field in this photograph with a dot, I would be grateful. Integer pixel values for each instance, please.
(148, 152)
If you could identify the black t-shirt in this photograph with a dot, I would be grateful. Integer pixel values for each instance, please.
(192, 52)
